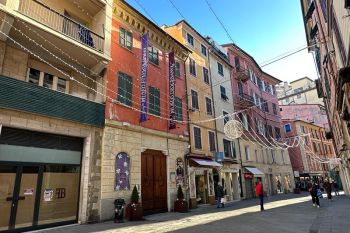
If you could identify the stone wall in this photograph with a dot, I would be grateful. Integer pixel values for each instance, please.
(133, 140)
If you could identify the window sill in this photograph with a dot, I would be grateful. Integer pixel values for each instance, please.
(155, 65)
(127, 49)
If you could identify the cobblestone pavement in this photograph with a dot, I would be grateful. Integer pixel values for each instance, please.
(284, 213)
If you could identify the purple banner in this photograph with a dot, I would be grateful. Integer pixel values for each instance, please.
(143, 78)
(122, 168)
(172, 123)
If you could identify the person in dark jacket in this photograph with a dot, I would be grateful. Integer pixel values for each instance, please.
(260, 193)
(328, 187)
(219, 195)
(313, 187)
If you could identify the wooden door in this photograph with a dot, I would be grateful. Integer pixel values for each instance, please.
(153, 181)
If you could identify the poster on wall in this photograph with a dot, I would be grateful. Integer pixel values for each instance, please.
(122, 166)
(180, 175)
(48, 194)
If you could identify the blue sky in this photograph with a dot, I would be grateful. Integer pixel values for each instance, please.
(265, 29)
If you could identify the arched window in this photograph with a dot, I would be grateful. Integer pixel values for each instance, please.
(122, 171)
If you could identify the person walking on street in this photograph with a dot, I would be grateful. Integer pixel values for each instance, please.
(336, 188)
(312, 188)
(328, 187)
(260, 193)
(219, 195)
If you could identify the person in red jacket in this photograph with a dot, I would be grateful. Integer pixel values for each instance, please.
(260, 193)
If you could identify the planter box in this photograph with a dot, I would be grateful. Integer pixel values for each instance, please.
(180, 206)
(134, 212)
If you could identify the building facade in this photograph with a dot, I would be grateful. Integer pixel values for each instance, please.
(202, 129)
(255, 96)
(300, 91)
(311, 159)
(327, 30)
(52, 65)
(226, 154)
(143, 148)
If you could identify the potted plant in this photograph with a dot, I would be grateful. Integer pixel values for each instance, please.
(180, 204)
(134, 210)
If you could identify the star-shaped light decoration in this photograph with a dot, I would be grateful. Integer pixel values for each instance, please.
(125, 164)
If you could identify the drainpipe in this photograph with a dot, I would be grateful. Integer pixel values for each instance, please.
(240, 170)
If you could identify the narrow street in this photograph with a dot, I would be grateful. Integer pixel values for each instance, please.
(284, 213)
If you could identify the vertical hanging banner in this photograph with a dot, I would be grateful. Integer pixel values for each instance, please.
(172, 123)
(143, 78)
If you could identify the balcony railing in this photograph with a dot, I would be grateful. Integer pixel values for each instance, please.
(241, 73)
(61, 23)
(244, 100)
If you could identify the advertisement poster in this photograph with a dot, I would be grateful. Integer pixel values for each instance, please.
(48, 194)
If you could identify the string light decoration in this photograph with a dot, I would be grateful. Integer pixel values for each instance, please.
(233, 129)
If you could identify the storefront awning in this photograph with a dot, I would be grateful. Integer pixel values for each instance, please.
(206, 162)
(254, 171)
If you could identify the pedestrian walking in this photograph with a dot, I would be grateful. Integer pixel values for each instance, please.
(336, 188)
(328, 187)
(219, 195)
(260, 193)
(312, 188)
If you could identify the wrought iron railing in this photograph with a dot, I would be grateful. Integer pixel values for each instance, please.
(61, 23)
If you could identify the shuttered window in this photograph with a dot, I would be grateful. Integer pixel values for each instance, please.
(153, 55)
(197, 138)
(178, 109)
(208, 105)
(194, 96)
(154, 101)
(125, 38)
(124, 89)
(206, 75)
(212, 145)
(192, 67)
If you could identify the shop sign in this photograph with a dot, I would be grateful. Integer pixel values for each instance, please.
(199, 172)
(29, 191)
(219, 157)
(296, 174)
(60, 193)
(48, 194)
(248, 175)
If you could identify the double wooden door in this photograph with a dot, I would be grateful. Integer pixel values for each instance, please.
(153, 181)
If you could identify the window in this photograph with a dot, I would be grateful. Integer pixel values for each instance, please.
(269, 131)
(192, 67)
(197, 138)
(277, 132)
(273, 156)
(48, 81)
(124, 89)
(177, 69)
(228, 151)
(226, 118)
(125, 38)
(206, 75)
(208, 105)
(240, 89)
(223, 93)
(247, 153)
(61, 85)
(194, 96)
(190, 40)
(178, 109)
(274, 108)
(220, 69)
(212, 146)
(153, 55)
(34, 76)
(260, 84)
(237, 64)
(244, 118)
(287, 128)
(204, 50)
(154, 101)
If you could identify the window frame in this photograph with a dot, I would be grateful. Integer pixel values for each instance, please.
(205, 49)
(178, 109)
(153, 55)
(195, 137)
(124, 99)
(220, 69)
(154, 108)
(212, 143)
(223, 94)
(225, 118)
(177, 69)
(211, 105)
(227, 144)
(194, 104)
(126, 34)
(206, 75)
(192, 66)
(189, 36)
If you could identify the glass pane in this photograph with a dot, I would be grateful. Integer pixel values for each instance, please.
(48, 81)
(60, 193)
(7, 183)
(27, 193)
(61, 85)
(34, 76)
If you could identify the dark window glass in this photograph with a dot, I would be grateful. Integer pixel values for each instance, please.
(227, 148)
(212, 141)
(124, 89)
(208, 105)
(226, 118)
(194, 96)
(204, 50)
(190, 40)
(220, 69)
(153, 55)
(48, 81)
(223, 93)
(34, 76)
(192, 67)
(206, 75)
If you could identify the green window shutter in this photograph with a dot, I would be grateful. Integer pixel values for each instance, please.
(151, 100)
(128, 88)
(124, 89)
(157, 101)
(178, 109)
(154, 101)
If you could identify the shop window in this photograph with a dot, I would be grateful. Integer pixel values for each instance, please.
(122, 172)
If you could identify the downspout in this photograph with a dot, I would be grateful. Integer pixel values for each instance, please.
(240, 170)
